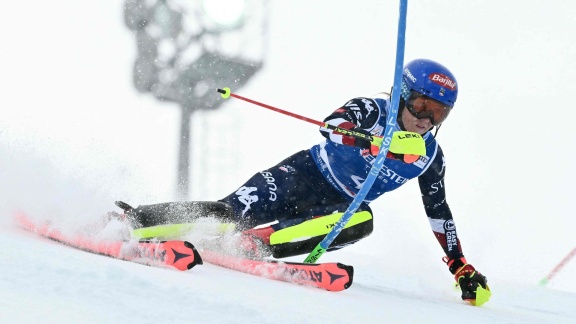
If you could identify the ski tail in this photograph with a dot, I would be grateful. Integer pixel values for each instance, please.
(181, 255)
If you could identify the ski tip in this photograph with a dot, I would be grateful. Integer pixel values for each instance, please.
(482, 296)
(224, 92)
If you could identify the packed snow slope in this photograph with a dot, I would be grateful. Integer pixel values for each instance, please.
(44, 281)
(75, 136)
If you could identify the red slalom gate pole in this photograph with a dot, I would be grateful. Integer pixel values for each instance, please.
(558, 267)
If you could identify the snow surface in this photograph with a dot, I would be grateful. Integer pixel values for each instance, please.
(49, 282)
(75, 136)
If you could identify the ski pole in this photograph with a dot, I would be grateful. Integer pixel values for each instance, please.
(226, 93)
(322, 247)
(558, 267)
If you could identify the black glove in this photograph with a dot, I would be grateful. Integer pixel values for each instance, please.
(469, 281)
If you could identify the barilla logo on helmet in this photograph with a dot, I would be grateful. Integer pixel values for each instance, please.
(442, 80)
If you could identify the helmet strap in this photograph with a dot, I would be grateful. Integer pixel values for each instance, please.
(436, 132)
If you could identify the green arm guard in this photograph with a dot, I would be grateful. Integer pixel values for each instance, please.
(407, 143)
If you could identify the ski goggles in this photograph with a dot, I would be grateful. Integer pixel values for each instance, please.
(422, 106)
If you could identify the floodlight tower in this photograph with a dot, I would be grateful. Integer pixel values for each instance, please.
(187, 49)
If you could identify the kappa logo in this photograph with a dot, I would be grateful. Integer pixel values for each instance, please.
(368, 106)
(245, 198)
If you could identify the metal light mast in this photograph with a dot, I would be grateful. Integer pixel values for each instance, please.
(187, 49)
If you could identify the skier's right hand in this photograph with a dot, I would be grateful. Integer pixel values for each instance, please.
(405, 146)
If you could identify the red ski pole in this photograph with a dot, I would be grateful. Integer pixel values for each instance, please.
(374, 140)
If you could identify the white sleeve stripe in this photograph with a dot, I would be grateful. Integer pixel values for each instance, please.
(336, 138)
(437, 225)
(336, 122)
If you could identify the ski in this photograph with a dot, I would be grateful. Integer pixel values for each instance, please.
(180, 255)
(329, 276)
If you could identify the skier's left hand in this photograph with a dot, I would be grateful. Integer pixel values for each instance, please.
(471, 282)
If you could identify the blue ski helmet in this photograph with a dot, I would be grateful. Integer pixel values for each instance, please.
(431, 79)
